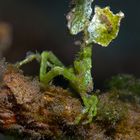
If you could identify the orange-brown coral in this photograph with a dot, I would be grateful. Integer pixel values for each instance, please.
(25, 106)
(29, 110)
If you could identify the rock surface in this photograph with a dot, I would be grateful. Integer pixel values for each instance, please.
(28, 111)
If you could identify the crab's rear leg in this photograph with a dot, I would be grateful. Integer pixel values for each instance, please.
(90, 110)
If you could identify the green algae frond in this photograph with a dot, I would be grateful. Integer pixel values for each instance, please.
(104, 26)
(128, 87)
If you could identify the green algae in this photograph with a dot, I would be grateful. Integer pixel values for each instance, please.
(127, 86)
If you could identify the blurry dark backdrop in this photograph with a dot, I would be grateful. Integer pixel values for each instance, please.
(41, 25)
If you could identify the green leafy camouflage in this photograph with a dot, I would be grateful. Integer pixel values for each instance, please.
(101, 29)
(79, 16)
(104, 26)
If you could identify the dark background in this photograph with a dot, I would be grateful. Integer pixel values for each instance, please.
(41, 25)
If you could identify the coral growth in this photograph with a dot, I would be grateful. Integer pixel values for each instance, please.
(31, 112)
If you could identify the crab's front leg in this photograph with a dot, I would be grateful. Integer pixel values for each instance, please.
(57, 69)
(48, 59)
(28, 59)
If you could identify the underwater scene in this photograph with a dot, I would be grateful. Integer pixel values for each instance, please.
(69, 70)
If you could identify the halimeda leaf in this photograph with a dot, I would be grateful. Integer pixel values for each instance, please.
(79, 16)
(104, 26)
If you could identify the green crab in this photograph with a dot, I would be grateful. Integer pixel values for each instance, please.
(102, 28)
